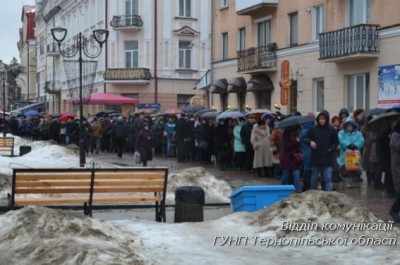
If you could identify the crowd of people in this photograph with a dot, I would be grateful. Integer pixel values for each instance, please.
(306, 155)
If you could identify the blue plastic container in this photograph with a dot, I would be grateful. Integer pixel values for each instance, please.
(253, 198)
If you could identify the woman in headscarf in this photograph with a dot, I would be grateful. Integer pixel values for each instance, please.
(260, 140)
(144, 144)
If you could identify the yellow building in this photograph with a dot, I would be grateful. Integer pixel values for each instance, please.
(333, 52)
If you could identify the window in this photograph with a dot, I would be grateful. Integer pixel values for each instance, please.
(241, 100)
(241, 39)
(264, 33)
(224, 46)
(319, 92)
(185, 53)
(264, 99)
(357, 91)
(359, 11)
(42, 44)
(131, 54)
(185, 8)
(294, 33)
(224, 3)
(183, 100)
(318, 21)
(131, 7)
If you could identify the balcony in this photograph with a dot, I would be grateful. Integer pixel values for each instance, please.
(126, 22)
(259, 59)
(127, 76)
(53, 50)
(252, 7)
(353, 43)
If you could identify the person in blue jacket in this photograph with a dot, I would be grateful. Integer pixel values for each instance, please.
(349, 139)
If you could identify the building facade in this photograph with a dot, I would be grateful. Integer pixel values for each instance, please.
(305, 55)
(156, 50)
(27, 50)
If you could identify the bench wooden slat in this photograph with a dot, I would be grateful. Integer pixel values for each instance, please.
(86, 190)
(49, 201)
(50, 183)
(126, 198)
(53, 175)
(26, 201)
(130, 175)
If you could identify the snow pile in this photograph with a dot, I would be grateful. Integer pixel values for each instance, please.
(214, 190)
(36, 235)
(331, 209)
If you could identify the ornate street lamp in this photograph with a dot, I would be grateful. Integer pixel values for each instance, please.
(80, 45)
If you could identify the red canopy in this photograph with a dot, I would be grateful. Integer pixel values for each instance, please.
(107, 98)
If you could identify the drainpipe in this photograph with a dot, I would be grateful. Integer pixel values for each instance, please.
(106, 48)
(212, 53)
(28, 70)
(155, 54)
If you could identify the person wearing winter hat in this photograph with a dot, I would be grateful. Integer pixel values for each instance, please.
(262, 148)
(119, 134)
(349, 138)
(144, 144)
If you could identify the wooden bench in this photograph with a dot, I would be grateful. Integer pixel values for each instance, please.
(7, 145)
(87, 186)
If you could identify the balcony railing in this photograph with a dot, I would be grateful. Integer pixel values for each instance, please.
(52, 49)
(259, 58)
(126, 22)
(361, 39)
(127, 74)
(248, 7)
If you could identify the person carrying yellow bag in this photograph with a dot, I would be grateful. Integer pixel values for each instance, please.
(350, 143)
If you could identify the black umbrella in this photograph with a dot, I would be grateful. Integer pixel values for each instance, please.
(201, 112)
(294, 120)
(190, 109)
(372, 112)
(210, 115)
(381, 122)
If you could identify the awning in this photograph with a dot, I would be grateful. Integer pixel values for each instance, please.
(219, 86)
(204, 82)
(36, 105)
(107, 98)
(259, 83)
(237, 85)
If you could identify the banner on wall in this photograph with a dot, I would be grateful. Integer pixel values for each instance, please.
(388, 86)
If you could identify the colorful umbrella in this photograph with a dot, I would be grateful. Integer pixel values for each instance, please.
(66, 117)
(32, 112)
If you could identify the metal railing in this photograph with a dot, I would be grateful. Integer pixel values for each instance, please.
(362, 38)
(130, 21)
(262, 57)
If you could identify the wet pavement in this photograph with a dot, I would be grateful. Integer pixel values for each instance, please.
(375, 200)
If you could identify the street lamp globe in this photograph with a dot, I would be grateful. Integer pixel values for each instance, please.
(59, 34)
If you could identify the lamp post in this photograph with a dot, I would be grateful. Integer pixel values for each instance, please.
(80, 46)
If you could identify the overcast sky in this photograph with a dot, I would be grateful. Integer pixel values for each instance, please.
(10, 22)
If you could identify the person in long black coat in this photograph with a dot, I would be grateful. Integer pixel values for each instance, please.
(180, 135)
(144, 144)
(222, 144)
(245, 134)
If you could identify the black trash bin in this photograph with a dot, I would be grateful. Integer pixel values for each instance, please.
(189, 203)
(24, 149)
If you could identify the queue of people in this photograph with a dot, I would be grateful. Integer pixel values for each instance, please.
(309, 155)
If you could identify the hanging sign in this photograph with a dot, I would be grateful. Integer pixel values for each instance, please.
(285, 82)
